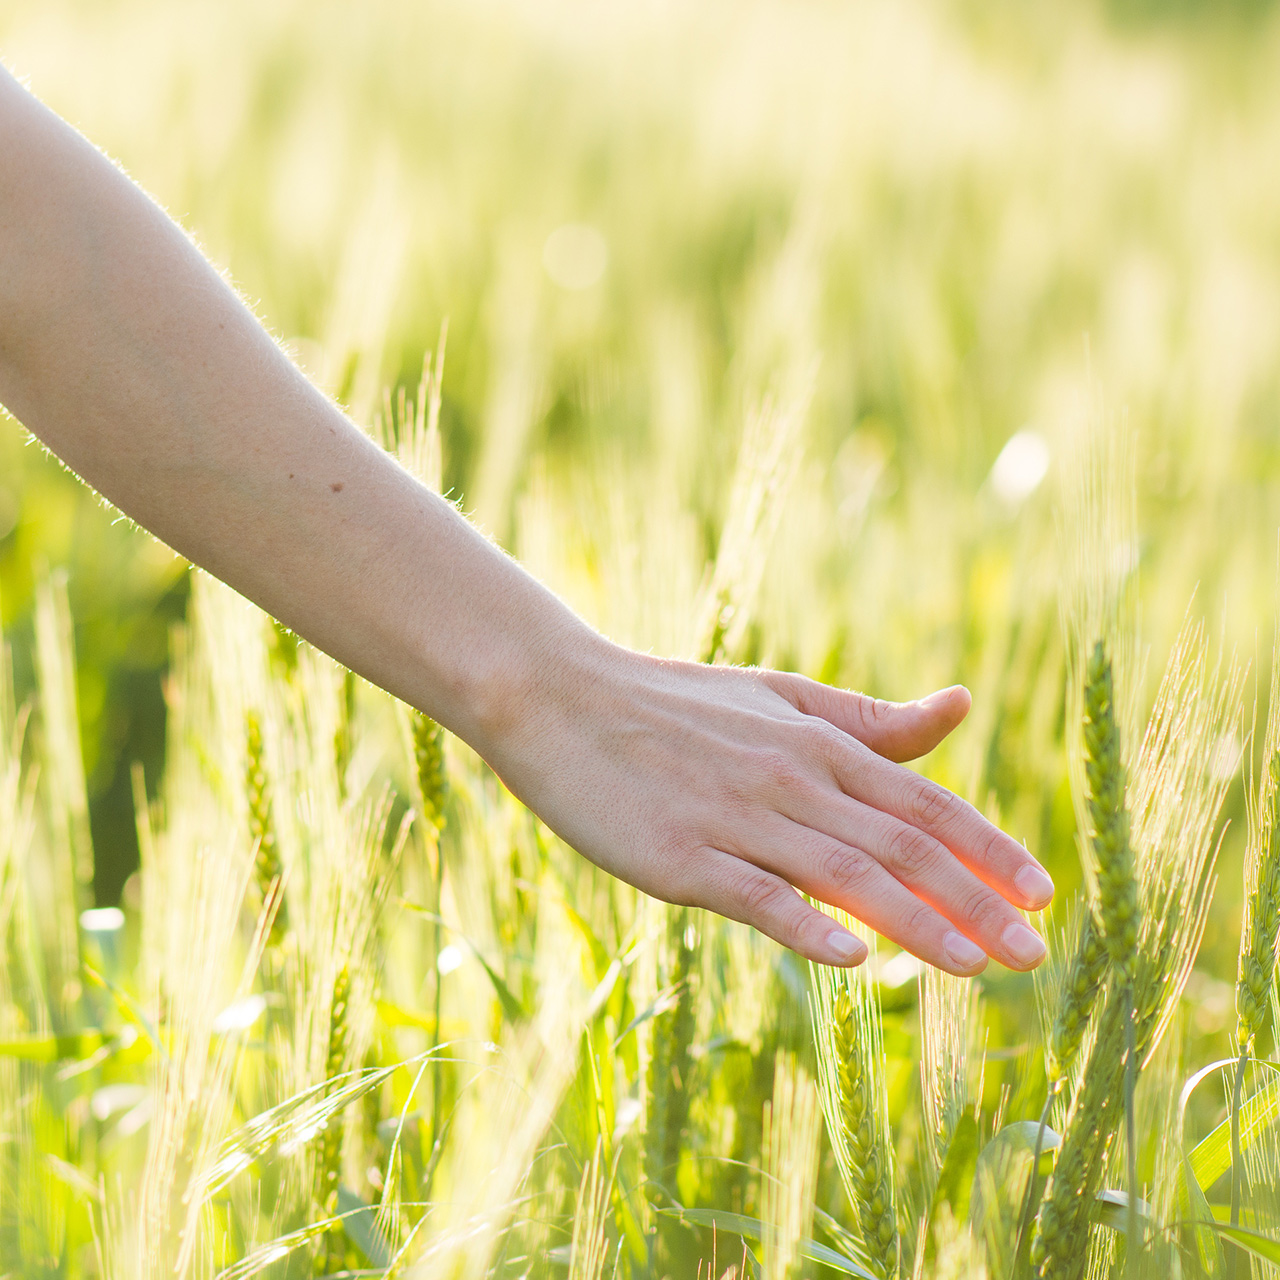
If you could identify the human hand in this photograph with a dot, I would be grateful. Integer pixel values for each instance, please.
(731, 788)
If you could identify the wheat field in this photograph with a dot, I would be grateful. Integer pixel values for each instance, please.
(899, 343)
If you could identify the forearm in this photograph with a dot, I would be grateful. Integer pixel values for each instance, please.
(126, 354)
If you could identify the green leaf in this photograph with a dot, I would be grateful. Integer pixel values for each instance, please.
(515, 1012)
(1019, 1138)
(1211, 1156)
(395, 1015)
(128, 1007)
(1111, 1209)
(1265, 1247)
(75, 1044)
(359, 1221)
(1001, 1180)
(600, 956)
(1190, 1192)
(664, 1001)
(753, 1229)
(512, 1007)
(955, 1181)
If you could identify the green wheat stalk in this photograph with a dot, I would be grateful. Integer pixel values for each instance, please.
(1081, 989)
(268, 872)
(1174, 801)
(1092, 1125)
(848, 1037)
(1255, 970)
(1109, 816)
(332, 1256)
(670, 1060)
(427, 738)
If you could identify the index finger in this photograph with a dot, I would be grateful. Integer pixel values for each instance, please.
(994, 857)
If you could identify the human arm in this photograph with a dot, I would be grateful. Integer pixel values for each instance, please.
(128, 355)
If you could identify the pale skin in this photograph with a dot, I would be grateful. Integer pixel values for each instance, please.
(731, 789)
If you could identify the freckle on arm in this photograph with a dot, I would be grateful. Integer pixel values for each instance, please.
(336, 486)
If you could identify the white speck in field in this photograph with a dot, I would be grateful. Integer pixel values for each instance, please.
(1020, 468)
(102, 920)
(450, 958)
(240, 1015)
(899, 969)
(135, 1118)
(627, 1114)
(575, 256)
(115, 1097)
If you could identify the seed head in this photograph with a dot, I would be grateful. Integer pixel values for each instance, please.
(1258, 943)
(1109, 816)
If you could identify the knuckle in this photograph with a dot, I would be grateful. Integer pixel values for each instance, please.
(985, 909)
(920, 922)
(827, 742)
(930, 805)
(911, 852)
(845, 869)
(779, 769)
(991, 845)
(761, 895)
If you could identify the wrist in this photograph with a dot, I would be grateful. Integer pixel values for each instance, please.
(525, 679)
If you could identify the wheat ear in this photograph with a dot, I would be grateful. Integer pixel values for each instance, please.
(1109, 816)
(1060, 1234)
(1175, 800)
(1258, 942)
(1081, 988)
(670, 1061)
(332, 1256)
(267, 870)
(847, 1036)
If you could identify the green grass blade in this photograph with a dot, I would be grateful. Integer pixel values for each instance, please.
(1191, 1191)
(955, 1181)
(1211, 1156)
(359, 1221)
(1261, 1246)
(1111, 1210)
(753, 1229)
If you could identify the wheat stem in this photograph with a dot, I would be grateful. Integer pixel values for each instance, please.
(1062, 1230)
(429, 773)
(333, 1256)
(267, 869)
(1237, 1170)
(1132, 1244)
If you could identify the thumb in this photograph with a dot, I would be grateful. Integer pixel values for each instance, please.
(896, 730)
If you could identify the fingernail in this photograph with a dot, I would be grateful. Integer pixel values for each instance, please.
(936, 699)
(1034, 884)
(846, 947)
(1023, 944)
(963, 953)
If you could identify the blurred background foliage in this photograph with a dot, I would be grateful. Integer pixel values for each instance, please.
(951, 230)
